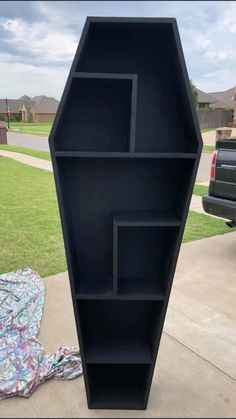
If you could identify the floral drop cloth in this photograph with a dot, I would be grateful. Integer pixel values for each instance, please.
(24, 364)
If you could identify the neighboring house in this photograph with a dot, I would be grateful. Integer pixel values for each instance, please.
(204, 100)
(15, 106)
(224, 100)
(217, 100)
(37, 109)
(222, 105)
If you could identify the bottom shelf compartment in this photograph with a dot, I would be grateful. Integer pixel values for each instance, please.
(118, 386)
(122, 332)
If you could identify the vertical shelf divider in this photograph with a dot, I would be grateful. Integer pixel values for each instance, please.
(133, 113)
(115, 256)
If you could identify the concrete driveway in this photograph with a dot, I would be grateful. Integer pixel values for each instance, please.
(203, 173)
(195, 375)
(209, 137)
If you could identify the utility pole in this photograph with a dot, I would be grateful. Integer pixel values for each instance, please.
(8, 114)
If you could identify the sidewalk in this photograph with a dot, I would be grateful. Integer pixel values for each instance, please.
(195, 374)
(31, 161)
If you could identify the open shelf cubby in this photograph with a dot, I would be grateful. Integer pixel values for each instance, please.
(118, 386)
(101, 110)
(142, 189)
(164, 118)
(143, 242)
(119, 331)
(125, 148)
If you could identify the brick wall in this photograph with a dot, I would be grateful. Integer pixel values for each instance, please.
(44, 117)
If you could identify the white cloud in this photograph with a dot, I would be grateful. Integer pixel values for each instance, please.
(36, 54)
(43, 41)
(201, 42)
(21, 78)
(229, 17)
(222, 56)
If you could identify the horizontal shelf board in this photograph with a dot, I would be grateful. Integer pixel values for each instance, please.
(108, 76)
(129, 352)
(138, 296)
(94, 296)
(145, 218)
(119, 405)
(111, 154)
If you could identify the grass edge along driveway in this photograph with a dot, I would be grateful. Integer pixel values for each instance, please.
(33, 128)
(44, 128)
(30, 231)
(44, 155)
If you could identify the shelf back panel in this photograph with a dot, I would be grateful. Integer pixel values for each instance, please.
(164, 121)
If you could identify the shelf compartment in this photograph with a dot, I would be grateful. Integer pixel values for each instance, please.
(140, 242)
(118, 386)
(101, 114)
(117, 331)
(164, 115)
(93, 188)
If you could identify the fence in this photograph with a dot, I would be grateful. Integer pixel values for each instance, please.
(215, 118)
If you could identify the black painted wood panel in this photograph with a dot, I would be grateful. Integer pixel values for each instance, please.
(125, 148)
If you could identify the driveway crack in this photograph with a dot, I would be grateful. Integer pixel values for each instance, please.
(201, 357)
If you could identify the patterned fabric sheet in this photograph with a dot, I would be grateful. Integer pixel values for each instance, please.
(24, 364)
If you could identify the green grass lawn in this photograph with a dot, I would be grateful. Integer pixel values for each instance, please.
(35, 128)
(200, 190)
(44, 128)
(200, 225)
(207, 129)
(24, 150)
(208, 149)
(30, 232)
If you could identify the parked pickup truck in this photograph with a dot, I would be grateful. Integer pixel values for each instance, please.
(221, 200)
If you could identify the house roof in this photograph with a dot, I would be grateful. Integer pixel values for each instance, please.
(38, 104)
(44, 104)
(14, 104)
(204, 97)
(223, 99)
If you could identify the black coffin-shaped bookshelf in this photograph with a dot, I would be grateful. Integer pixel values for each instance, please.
(125, 148)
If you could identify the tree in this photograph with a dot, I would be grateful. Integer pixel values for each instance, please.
(194, 93)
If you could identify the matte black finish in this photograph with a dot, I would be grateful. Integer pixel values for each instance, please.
(125, 148)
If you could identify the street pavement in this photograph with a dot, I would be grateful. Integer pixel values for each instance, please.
(36, 142)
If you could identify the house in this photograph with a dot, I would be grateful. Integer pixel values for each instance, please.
(217, 100)
(223, 105)
(224, 100)
(204, 99)
(36, 109)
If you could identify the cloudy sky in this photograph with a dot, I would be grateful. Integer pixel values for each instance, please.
(39, 38)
